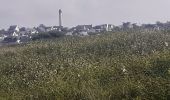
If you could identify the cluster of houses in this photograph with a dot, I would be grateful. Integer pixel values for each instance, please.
(21, 34)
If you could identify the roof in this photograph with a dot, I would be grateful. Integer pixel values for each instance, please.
(13, 27)
(23, 29)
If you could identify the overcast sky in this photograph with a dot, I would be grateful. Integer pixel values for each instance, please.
(31, 13)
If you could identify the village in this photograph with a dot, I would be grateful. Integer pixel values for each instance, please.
(23, 34)
(16, 34)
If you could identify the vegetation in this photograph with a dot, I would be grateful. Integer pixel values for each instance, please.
(129, 65)
(10, 39)
(48, 35)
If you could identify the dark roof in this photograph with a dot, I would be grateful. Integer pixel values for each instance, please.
(12, 27)
(97, 27)
(22, 29)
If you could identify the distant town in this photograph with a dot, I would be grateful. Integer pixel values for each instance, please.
(15, 34)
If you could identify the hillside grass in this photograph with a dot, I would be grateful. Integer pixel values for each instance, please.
(113, 66)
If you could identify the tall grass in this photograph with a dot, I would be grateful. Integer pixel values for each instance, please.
(113, 66)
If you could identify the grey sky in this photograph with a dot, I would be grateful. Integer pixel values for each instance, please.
(31, 13)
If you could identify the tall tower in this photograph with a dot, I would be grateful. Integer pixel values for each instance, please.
(60, 18)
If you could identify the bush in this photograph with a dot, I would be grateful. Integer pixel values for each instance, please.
(51, 34)
(10, 39)
(56, 34)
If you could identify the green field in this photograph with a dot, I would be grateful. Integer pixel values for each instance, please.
(130, 65)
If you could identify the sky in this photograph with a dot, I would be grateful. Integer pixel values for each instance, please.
(30, 13)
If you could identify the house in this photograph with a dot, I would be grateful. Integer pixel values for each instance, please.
(10, 39)
(83, 27)
(30, 31)
(41, 28)
(110, 27)
(22, 31)
(98, 28)
(127, 25)
(56, 28)
(48, 29)
(91, 31)
(13, 31)
(104, 27)
(79, 30)
(23, 39)
(14, 28)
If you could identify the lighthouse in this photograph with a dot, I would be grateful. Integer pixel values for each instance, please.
(60, 18)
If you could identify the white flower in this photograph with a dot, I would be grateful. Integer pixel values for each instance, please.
(123, 69)
(78, 75)
(166, 44)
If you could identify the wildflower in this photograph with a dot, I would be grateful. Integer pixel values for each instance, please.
(166, 44)
(78, 75)
(124, 69)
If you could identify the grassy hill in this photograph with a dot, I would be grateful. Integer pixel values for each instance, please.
(113, 66)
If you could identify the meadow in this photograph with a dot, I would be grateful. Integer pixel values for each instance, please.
(123, 65)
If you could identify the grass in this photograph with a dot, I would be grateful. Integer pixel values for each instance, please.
(114, 66)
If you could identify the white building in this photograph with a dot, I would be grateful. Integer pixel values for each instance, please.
(104, 27)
